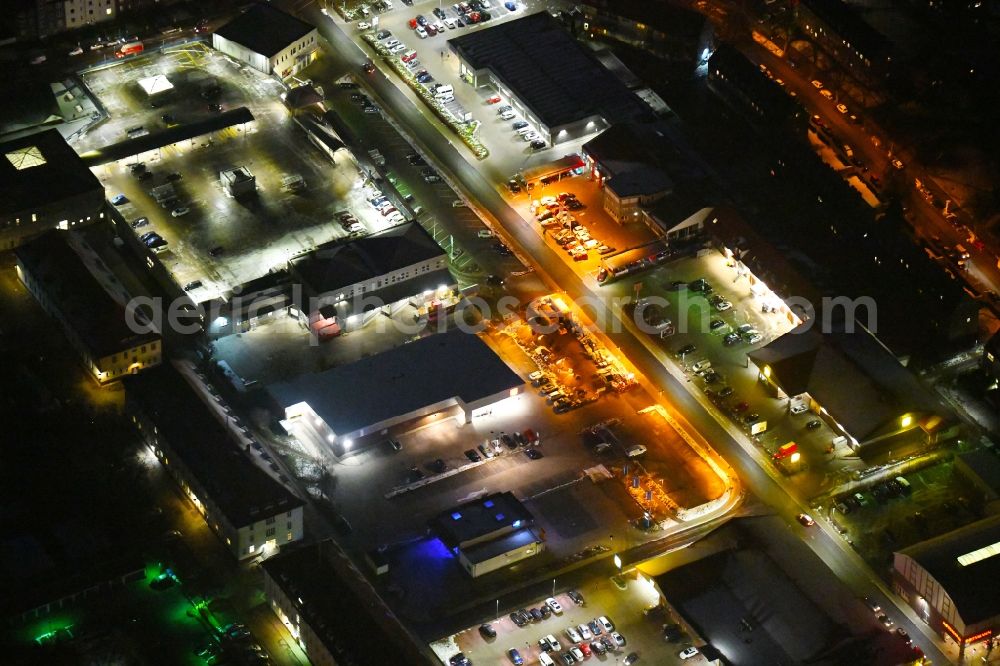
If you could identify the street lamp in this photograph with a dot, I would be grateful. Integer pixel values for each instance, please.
(618, 562)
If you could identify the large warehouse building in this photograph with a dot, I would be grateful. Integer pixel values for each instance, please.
(948, 581)
(557, 85)
(269, 40)
(455, 373)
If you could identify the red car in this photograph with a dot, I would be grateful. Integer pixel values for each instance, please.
(493, 100)
(413, 23)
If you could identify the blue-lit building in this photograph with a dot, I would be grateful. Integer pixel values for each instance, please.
(489, 533)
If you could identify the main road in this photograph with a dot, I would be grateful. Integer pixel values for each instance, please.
(754, 472)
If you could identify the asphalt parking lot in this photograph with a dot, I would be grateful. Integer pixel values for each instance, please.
(509, 153)
(623, 608)
(254, 233)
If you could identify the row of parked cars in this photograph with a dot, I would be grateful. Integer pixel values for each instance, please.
(384, 207)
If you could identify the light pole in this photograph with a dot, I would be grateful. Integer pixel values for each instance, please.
(553, 587)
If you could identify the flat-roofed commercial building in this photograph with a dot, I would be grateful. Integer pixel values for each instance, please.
(455, 373)
(549, 78)
(94, 322)
(951, 582)
(851, 381)
(268, 40)
(345, 284)
(248, 509)
(489, 533)
(44, 185)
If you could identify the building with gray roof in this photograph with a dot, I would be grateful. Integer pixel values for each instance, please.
(347, 283)
(455, 373)
(489, 533)
(269, 40)
(549, 78)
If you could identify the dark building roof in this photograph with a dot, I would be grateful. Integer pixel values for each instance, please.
(482, 552)
(985, 463)
(558, 80)
(640, 181)
(342, 609)
(850, 26)
(624, 148)
(166, 137)
(480, 518)
(95, 317)
(302, 96)
(964, 584)
(857, 380)
(742, 74)
(678, 23)
(244, 492)
(40, 169)
(401, 381)
(373, 299)
(336, 265)
(264, 29)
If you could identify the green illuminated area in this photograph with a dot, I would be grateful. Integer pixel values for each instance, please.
(157, 624)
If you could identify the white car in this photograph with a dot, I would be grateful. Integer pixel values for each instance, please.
(687, 653)
(799, 408)
(77, 51)
(421, 33)
(439, 26)
(573, 634)
(180, 210)
(554, 605)
(364, 25)
(398, 48)
(577, 654)
(532, 136)
(508, 115)
(605, 624)
(38, 60)
(552, 642)
(585, 632)
(635, 451)
(392, 42)
(450, 22)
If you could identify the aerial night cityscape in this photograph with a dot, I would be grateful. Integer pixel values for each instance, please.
(507, 332)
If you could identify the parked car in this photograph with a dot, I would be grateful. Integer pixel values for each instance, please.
(554, 605)
(687, 653)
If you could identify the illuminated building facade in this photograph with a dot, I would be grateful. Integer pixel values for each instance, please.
(268, 40)
(209, 456)
(950, 581)
(453, 374)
